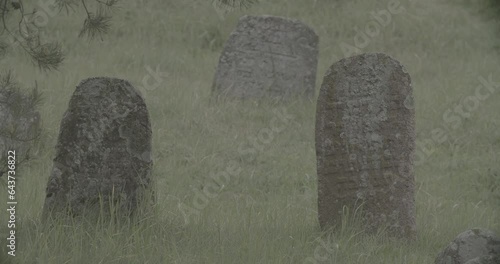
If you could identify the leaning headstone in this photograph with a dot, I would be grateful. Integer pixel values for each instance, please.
(474, 246)
(103, 153)
(365, 140)
(268, 57)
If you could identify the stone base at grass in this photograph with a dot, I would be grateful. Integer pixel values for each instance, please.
(365, 140)
(103, 153)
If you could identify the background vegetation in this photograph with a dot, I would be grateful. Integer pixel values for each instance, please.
(267, 213)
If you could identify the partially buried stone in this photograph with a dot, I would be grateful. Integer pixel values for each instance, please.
(474, 246)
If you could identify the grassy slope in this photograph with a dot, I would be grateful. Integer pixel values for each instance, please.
(267, 214)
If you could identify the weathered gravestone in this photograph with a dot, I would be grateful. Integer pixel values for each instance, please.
(365, 140)
(268, 56)
(103, 150)
(474, 246)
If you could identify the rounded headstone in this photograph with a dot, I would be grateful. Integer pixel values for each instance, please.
(103, 150)
(267, 56)
(474, 246)
(365, 140)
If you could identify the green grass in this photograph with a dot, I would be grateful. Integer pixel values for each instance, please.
(267, 212)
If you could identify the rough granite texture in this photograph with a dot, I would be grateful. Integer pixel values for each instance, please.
(365, 142)
(487, 259)
(268, 56)
(104, 147)
(474, 246)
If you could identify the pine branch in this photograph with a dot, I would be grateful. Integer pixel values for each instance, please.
(237, 3)
(16, 4)
(67, 5)
(18, 104)
(48, 56)
(3, 48)
(108, 3)
(96, 24)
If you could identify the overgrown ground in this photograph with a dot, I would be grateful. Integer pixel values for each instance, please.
(267, 213)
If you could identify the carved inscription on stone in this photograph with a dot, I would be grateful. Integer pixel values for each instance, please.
(365, 139)
(268, 56)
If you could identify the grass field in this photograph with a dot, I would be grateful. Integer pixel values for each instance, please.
(266, 213)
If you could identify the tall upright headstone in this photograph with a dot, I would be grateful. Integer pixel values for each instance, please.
(103, 152)
(270, 57)
(365, 142)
